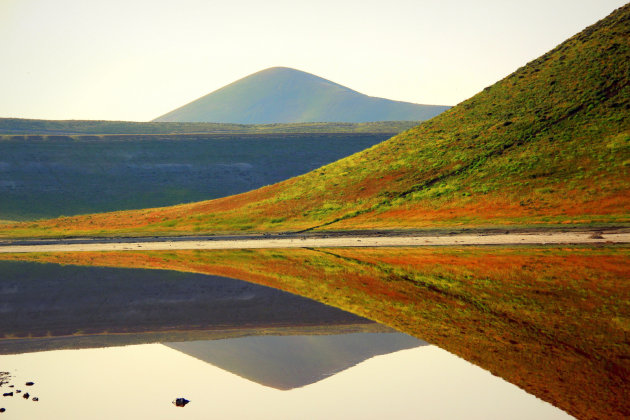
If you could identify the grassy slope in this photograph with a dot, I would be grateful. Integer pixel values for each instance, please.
(548, 144)
(553, 321)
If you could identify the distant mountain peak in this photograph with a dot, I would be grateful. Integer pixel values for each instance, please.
(287, 95)
(279, 69)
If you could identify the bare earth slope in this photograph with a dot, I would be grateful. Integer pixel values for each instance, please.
(548, 144)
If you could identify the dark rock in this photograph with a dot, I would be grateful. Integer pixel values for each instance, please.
(17, 391)
(2, 410)
(35, 399)
(26, 395)
(7, 394)
(180, 402)
(30, 383)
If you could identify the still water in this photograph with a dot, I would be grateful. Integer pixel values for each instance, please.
(140, 381)
(124, 343)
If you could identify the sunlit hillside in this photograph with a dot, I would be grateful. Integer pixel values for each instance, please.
(549, 144)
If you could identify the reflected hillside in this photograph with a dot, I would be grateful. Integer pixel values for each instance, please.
(553, 321)
(288, 362)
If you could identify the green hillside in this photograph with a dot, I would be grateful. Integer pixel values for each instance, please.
(284, 95)
(549, 144)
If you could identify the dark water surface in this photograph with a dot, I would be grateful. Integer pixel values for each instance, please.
(50, 300)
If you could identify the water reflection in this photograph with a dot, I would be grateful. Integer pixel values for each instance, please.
(141, 382)
(552, 320)
(266, 354)
(48, 306)
(287, 362)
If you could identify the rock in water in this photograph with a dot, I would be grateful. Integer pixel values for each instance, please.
(180, 402)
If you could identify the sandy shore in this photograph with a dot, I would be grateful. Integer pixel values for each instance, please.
(538, 238)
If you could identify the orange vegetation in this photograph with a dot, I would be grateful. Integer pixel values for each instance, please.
(495, 210)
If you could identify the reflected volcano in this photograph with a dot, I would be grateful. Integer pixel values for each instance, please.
(287, 362)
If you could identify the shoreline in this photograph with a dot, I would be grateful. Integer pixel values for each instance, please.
(322, 240)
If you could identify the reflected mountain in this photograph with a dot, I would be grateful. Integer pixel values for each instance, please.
(294, 361)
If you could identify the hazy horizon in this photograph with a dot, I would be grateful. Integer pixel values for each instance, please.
(137, 60)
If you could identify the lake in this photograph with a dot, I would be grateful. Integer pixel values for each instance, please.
(100, 341)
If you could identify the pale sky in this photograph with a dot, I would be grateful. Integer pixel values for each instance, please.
(136, 60)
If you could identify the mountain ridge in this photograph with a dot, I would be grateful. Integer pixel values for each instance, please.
(286, 95)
